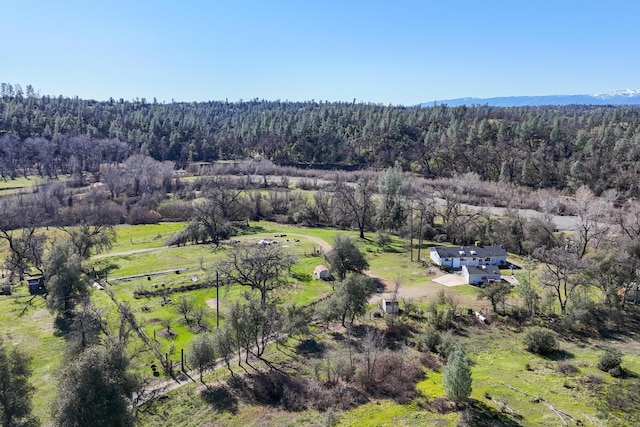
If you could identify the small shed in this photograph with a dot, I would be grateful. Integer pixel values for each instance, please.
(389, 307)
(322, 272)
(36, 284)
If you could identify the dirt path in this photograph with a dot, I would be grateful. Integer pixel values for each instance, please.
(134, 251)
(326, 247)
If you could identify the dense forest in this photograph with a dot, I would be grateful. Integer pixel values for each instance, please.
(539, 147)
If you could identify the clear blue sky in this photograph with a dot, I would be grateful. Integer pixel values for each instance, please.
(389, 52)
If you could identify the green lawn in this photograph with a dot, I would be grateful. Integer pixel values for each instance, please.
(151, 311)
(136, 237)
(34, 333)
(10, 186)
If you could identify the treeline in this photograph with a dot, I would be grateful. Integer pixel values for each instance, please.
(560, 147)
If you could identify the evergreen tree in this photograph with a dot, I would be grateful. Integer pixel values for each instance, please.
(456, 377)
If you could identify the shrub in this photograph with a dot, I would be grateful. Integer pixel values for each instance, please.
(331, 418)
(142, 215)
(409, 306)
(175, 210)
(431, 361)
(432, 339)
(447, 345)
(540, 341)
(566, 368)
(610, 360)
(393, 375)
(616, 372)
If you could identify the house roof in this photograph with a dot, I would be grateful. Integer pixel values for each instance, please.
(489, 270)
(320, 268)
(467, 251)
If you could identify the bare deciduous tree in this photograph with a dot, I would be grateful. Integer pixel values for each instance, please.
(263, 268)
(592, 219)
(456, 220)
(559, 272)
(113, 177)
(356, 202)
(185, 307)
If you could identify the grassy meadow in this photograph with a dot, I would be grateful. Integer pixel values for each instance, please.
(503, 372)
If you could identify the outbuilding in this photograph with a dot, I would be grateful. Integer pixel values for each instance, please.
(389, 307)
(322, 272)
(36, 284)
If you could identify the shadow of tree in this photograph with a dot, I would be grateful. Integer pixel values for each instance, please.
(249, 229)
(479, 414)
(62, 326)
(221, 399)
(102, 268)
(310, 348)
(558, 355)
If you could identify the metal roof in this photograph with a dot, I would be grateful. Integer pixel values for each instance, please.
(490, 270)
(470, 251)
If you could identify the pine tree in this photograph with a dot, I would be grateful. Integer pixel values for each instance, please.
(456, 377)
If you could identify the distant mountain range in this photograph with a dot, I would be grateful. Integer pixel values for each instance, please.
(621, 97)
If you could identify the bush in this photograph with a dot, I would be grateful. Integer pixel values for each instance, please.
(331, 418)
(610, 360)
(616, 372)
(141, 215)
(566, 368)
(392, 375)
(175, 210)
(540, 341)
(447, 345)
(432, 339)
(431, 361)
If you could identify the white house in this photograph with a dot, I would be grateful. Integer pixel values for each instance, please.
(457, 256)
(322, 272)
(476, 275)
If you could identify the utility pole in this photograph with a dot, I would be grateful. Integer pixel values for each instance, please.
(217, 300)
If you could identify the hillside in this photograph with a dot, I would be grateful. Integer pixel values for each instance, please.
(560, 147)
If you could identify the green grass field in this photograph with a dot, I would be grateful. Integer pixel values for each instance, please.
(31, 328)
(502, 369)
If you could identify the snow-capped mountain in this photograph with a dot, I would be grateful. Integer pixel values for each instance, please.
(621, 97)
(626, 93)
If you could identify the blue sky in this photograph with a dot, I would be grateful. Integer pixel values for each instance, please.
(389, 52)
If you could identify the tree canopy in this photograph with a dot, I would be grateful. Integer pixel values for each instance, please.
(15, 389)
(95, 389)
(546, 146)
(345, 256)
